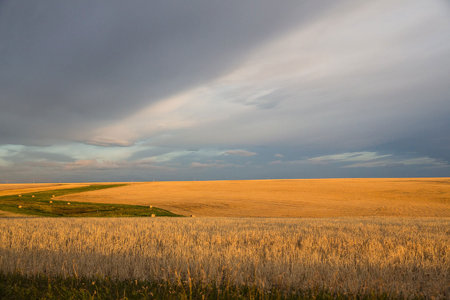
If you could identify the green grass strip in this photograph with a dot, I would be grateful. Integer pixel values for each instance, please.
(44, 205)
(17, 286)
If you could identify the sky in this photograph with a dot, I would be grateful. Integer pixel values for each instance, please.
(210, 90)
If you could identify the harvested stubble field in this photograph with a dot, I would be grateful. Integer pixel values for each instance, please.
(360, 256)
(410, 197)
(22, 188)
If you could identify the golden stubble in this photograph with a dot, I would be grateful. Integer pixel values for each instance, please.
(397, 256)
(22, 188)
(414, 197)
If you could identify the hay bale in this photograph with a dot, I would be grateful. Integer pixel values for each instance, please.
(20, 195)
(68, 203)
(32, 196)
(51, 201)
(192, 216)
(19, 206)
(153, 215)
(150, 206)
(53, 196)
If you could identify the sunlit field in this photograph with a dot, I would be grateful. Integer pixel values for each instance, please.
(413, 197)
(350, 238)
(348, 256)
(22, 188)
(45, 204)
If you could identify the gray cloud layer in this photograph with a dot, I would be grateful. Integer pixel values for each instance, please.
(229, 89)
(69, 67)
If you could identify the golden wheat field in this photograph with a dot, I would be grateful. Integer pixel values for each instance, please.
(412, 197)
(397, 256)
(349, 236)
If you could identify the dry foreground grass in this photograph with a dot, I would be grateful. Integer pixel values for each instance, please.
(414, 197)
(398, 256)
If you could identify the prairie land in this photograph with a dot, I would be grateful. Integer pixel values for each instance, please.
(266, 239)
(351, 256)
(22, 188)
(412, 197)
(45, 204)
(10, 214)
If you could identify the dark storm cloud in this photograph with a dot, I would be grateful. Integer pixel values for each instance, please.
(68, 67)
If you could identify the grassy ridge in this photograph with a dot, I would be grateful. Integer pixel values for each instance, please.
(43, 204)
(16, 286)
